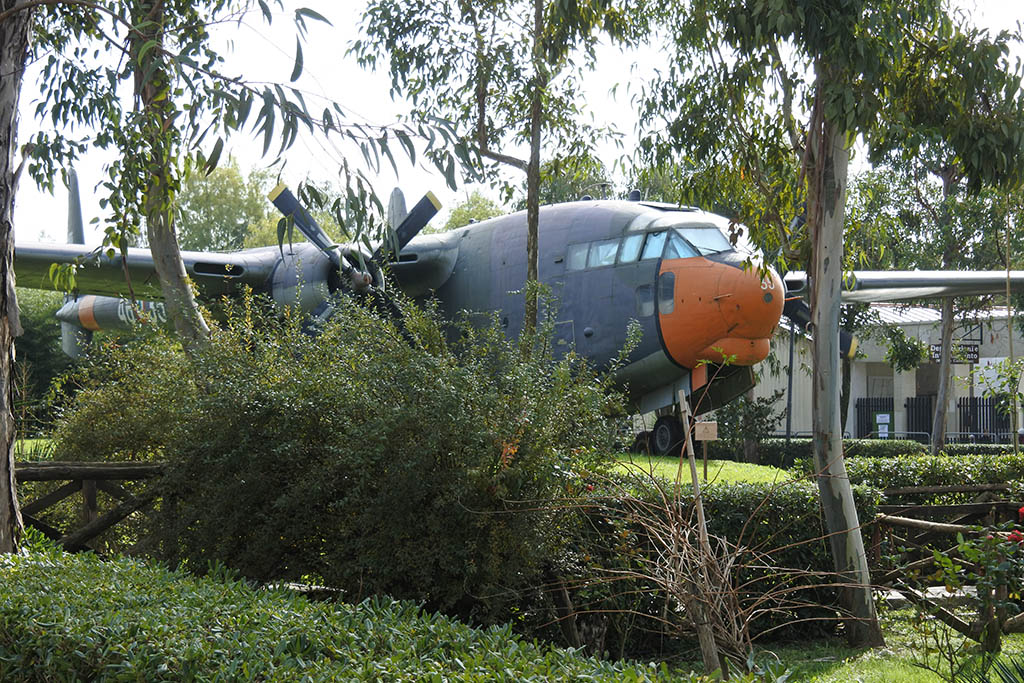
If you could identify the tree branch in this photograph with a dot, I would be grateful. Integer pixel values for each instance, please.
(31, 4)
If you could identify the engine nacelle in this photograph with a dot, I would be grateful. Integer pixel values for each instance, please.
(305, 277)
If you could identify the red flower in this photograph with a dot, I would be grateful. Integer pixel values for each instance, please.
(1015, 536)
(1020, 515)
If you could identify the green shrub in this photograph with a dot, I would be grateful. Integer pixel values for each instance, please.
(958, 449)
(39, 359)
(127, 401)
(774, 452)
(882, 448)
(929, 470)
(428, 471)
(74, 617)
(777, 453)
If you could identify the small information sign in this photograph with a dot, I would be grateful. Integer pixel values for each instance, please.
(705, 431)
(883, 423)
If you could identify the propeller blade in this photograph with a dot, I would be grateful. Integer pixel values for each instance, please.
(282, 198)
(425, 209)
(799, 313)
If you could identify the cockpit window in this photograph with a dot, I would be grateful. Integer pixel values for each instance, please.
(655, 245)
(707, 240)
(602, 253)
(678, 247)
(631, 248)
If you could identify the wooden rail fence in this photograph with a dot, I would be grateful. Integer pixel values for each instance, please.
(917, 537)
(87, 478)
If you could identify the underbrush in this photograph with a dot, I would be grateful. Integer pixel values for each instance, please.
(377, 459)
(74, 617)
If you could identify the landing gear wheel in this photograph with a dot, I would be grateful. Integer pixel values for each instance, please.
(667, 437)
(642, 444)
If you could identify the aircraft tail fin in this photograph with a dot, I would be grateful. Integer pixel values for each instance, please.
(76, 230)
(74, 339)
(396, 209)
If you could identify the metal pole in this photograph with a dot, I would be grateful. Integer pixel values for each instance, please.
(1009, 328)
(789, 389)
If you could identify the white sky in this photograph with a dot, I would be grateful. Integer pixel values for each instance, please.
(265, 53)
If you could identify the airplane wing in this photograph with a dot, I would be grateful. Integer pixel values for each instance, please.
(215, 274)
(868, 286)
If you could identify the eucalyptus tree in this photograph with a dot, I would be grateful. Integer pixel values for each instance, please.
(505, 71)
(141, 77)
(219, 210)
(476, 207)
(145, 76)
(15, 32)
(771, 96)
(959, 118)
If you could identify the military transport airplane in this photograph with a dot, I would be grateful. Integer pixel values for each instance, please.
(672, 269)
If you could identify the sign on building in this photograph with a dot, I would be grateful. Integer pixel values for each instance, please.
(962, 353)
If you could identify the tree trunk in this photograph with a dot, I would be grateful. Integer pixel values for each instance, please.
(152, 78)
(947, 175)
(945, 370)
(14, 36)
(533, 171)
(844, 394)
(826, 213)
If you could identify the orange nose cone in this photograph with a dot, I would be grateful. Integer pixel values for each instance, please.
(718, 312)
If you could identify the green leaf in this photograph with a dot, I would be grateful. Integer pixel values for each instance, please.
(211, 162)
(266, 11)
(297, 69)
(316, 16)
(449, 172)
(146, 47)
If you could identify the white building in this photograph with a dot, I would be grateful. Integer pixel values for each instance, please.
(901, 404)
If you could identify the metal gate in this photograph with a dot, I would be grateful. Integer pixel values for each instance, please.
(982, 420)
(866, 409)
(920, 416)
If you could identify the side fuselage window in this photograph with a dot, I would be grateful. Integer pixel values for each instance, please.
(602, 253)
(644, 301)
(666, 292)
(576, 259)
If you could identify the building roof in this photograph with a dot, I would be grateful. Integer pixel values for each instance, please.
(901, 314)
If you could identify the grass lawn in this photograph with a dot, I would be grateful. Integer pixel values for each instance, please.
(32, 449)
(824, 662)
(721, 471)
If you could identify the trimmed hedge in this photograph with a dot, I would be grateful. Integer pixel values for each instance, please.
(934, 470)
(74, 617)
(958, 449)
(774, 451)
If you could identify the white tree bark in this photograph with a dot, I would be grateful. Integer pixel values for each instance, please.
(826, 215)
(14, 37)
